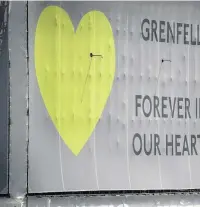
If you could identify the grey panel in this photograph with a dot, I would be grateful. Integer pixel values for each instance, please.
(4, 97)
(5, 202)
(107, 161)
(118, 201)
(19, 98)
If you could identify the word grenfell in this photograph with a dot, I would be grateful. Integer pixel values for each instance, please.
(164, 107)
(170, 32)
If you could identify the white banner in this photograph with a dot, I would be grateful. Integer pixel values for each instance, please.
(114, 96)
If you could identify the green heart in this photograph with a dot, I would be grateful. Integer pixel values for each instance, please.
(74, 86)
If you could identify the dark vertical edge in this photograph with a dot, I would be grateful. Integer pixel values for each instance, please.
(5, 55)
(9, 117)
(27, 56)
(18, 99)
